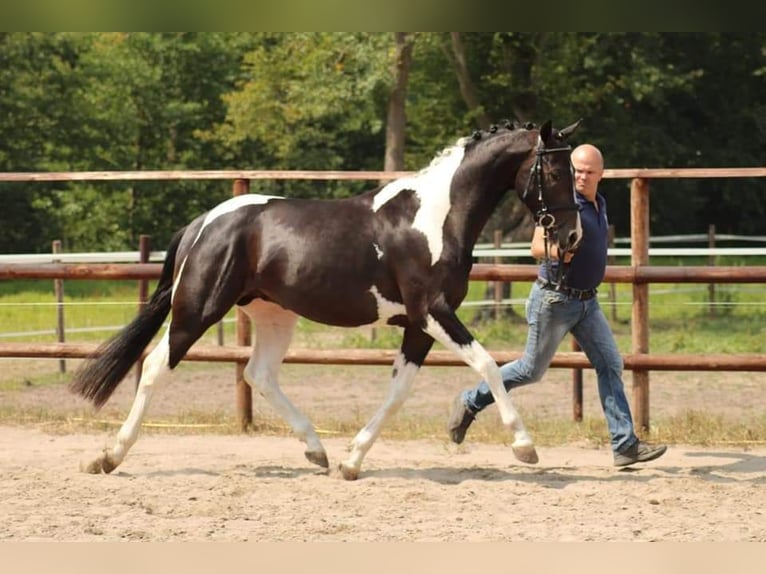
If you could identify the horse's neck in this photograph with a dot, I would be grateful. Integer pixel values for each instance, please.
(488, 181)
(468, 225)
(475, 202)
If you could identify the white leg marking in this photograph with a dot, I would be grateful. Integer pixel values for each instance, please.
(399, 389)
(477, 357)
(154, 366)
(274, 331)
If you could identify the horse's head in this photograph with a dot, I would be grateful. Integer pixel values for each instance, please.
(545, 183)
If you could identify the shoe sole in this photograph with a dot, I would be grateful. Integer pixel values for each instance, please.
(455, 425)
(655, 455)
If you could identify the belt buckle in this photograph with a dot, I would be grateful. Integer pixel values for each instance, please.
(579, 294)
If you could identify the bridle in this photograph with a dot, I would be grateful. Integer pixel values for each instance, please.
(545, 213)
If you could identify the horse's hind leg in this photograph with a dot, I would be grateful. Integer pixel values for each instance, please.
(415, 347)
(274, 328)
(154, 366)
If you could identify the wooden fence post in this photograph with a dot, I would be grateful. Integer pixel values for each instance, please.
(639, 233)
(58, 289)
(244, 338)
(498, 285)
(612, 286)
(576, 387)
(711, 261)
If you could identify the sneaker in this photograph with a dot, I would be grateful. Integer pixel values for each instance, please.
(459, 420)
(639, 452)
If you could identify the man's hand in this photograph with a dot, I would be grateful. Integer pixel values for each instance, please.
(538, 247)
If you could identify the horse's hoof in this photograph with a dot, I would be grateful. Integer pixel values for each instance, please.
(318, 458)
(526, 454)
(348, 473)
(107, 465)
(93, 467)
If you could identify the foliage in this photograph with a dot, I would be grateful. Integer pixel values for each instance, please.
(167, 101)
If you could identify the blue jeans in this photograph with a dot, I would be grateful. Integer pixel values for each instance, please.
(551, 315)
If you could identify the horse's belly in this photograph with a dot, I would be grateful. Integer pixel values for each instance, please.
(344, 310)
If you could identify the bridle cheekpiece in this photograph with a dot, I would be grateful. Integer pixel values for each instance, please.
(544, 216)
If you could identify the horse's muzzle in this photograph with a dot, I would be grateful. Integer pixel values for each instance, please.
(573, 240)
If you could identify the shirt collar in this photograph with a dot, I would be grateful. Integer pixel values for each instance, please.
(582, 201)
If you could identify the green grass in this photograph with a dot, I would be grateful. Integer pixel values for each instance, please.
(680, 322)
(681, 319)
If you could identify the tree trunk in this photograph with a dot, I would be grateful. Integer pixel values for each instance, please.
(456, 56)
(520, 53)
(396, 120)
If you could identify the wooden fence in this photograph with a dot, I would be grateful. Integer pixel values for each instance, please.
(639, 274)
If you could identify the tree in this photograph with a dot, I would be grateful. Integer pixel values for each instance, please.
(311, 101)
(396, 119)
(36, 88)
(125, 101)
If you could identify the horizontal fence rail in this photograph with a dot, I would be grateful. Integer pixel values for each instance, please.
(479, 272)
(571, 360)
(148, 175)
(479, 253)
(639, 273)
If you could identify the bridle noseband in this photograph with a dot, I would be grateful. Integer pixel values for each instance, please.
(544, 214)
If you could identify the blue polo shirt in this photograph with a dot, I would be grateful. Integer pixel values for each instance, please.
(588, 265)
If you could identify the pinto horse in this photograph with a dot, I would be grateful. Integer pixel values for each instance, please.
(399, 254)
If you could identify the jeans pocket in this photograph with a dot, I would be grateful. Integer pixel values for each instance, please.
(554, 298)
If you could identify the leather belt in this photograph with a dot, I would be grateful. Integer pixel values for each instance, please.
(579, 294)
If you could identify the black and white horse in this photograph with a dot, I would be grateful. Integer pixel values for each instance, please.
(399, 254)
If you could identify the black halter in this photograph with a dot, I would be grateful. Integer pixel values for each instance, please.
(545, 213)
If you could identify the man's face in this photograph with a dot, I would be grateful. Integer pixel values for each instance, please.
(588, 171)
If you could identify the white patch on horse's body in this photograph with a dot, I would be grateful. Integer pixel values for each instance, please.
(386, 308)
(378, 251)
(432, 187)
(228, 206)
(233, 204)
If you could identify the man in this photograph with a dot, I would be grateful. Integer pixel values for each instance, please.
(553, 311)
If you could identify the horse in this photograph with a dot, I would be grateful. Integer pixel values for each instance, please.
(398, 254)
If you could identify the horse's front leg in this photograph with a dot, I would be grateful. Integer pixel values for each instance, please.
(415, 347)
(444, 326)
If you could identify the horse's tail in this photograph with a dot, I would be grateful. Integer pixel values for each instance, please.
(98, 378)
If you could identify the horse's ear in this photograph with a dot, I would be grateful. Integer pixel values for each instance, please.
(545, 130)
(569, 130)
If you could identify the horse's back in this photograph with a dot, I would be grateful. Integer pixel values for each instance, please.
(315, 257)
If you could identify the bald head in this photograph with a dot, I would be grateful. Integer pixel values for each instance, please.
(588, 153)
(588, 166)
